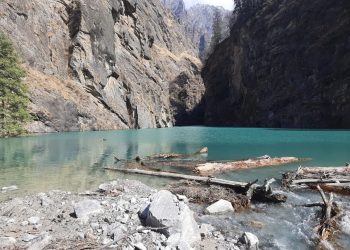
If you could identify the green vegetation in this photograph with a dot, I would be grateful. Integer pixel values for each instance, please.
(13, 93)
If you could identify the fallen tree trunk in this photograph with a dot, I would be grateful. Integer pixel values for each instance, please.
(333, 179)
(258, 193)
(218, 167)
(209, 180)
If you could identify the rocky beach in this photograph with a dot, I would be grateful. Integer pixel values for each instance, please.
(122, 214)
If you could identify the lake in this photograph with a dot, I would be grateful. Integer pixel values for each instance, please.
(75, 161)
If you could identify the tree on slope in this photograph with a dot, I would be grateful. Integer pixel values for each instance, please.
(217, 30)
(13, 93)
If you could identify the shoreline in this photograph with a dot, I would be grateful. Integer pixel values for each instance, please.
(97, 219)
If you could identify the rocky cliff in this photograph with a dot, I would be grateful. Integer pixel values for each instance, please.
(177, 7)
(108, 64)
(285, 64)
(198, 22)
(199, 25)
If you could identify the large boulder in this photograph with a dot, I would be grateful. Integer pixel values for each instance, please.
(173, 218)
(220, 207)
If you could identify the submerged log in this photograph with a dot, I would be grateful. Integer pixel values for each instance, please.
(167, 156)
(259, 193)
(218, 167)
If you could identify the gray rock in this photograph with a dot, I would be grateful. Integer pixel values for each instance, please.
(220, 207)
(7, 242)
(41, 242)
(250, 240)
(85, 208)
(24, 223)
(44, 200)
(173, 217)
(205, 230)
(34, 220)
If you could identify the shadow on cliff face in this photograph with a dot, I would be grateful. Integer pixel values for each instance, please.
(285, 64)
(186, 100)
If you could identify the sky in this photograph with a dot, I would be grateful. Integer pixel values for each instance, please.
(227, 4)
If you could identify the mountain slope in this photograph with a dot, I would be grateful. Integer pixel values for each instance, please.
(198, 22)
(285, 64)
(102, 64)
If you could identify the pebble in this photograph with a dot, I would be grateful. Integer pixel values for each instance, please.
(24, 223)
(33, 220)
(140, 246)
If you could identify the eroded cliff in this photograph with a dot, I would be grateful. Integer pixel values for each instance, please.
(285, 64)
(108, 64)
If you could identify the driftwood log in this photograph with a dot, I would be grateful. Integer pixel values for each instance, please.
(219, 167)
(332, 179)
(200, 166)
(252, 190)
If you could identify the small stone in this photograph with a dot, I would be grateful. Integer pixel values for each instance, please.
(205, 230)
(80, 235)
(87, 207)
(45, 201)
(106, 241)
(11, 221)
(220, 207)
(24, 223)
(29, 237)
(133, 200)
(37, 226)
(33, 220)
(140, 246)
(94, 225)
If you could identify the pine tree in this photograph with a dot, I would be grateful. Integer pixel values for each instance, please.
(13, 93)
(217, 30)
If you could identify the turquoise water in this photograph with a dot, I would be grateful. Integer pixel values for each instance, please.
(75, 161)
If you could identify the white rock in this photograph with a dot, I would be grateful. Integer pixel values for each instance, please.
(167, 212)
(34, 220)
(251, 240)
(206, 229)
(220, 207)
(140, 246)
(44, 200)
(85, 208)
(24, 223)
(7, 242)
